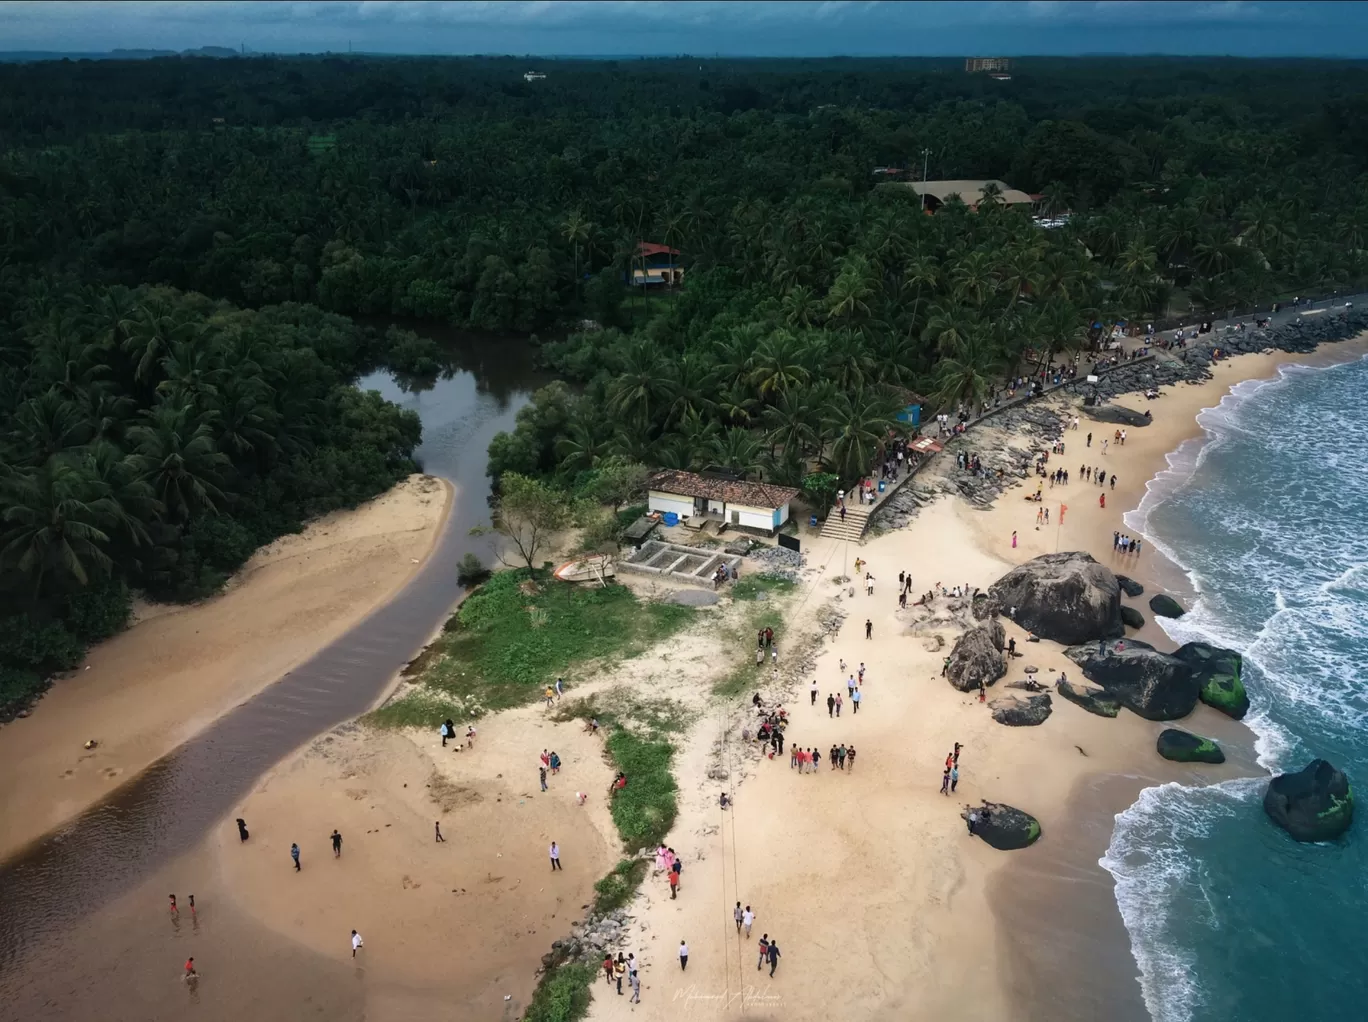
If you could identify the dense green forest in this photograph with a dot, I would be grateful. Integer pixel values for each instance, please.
(182, 239)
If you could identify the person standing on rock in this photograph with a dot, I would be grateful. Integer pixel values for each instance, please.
(683, 956)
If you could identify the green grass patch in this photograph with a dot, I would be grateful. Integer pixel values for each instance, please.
(509, 640)
(747, 587)
(562, 995)
(741, 637)
(614, 890)
(644, 811)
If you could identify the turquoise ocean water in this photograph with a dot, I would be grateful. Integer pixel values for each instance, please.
(1230, 919)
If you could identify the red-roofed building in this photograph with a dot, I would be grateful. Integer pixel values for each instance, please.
(656, 264)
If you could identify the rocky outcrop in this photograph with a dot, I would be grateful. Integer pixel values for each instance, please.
(1166, 606)
(1021, 711)
(977, 657)
(1094, 700)
(1129, 586)
(1185, 747)
(1217, 673)
(1155, 685)
(1118, 415)
(1132, 618)
(1314, 804)
(1065, 597)
(1002, 826)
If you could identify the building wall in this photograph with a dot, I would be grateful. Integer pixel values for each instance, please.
(658, 500)
(766, 519)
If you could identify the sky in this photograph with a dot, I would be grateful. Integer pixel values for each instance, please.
(700, 28)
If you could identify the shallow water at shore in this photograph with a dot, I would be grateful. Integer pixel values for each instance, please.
(92, 863)
(1267, 516)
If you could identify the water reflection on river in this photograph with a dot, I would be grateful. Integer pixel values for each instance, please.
(79, 937)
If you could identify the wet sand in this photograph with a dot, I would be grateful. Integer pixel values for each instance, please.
(151, 688)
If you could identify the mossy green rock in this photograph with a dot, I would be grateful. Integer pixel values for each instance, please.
(1132, 618)
(1185, 747)
(1217, 671)
(1314, 804)
(1094, 700)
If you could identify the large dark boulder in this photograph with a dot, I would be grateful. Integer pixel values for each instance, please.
(1094, 700)
(1021, 711)
(1155, 685)
(1065, 597)
(1166, 606)
(1119, 415)
(1132, 618)
(1314, 804)
(1185, 747)
(1002, 826)
(1129, 586)
(1217, 673)
(977, 656)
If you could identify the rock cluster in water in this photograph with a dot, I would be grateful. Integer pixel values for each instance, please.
(1217, 673)
(1157, 686)
(1314, 804)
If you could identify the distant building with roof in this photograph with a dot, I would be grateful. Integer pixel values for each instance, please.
(656, 264)
(937, 193)
(739, 503)
(977, 65)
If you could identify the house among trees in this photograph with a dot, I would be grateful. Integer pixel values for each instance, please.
(993, 65)
(971, 193)
(736, 503)
(656, 264)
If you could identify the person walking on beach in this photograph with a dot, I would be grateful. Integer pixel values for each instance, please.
(608, 967)
(831, 704)
(764, 951)
(541, 771)
(192, 906)
(550, 696)
(841, 755)
(620, 972)
(560, 688)
(294, 854)
(816, 759)
(748, 920)
(555, 858)
(1089, 443)
(336, 839)
(555, 763)
(683, 956)
(437, 830)
(832, 757)
(850, 686)
(242, 829)
(773, 956)
(838, 704)
(954, 778)
(945, 782)
(869, 629)
(736, 914)
(635, 980)
(850, 757)
(1014, 539)
(855, 701)
(447, 730)
(357, 943)
(812, 691)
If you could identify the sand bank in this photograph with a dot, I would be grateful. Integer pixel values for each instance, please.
(152, 687)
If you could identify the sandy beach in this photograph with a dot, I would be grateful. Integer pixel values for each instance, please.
(882, 905)
(155, 685)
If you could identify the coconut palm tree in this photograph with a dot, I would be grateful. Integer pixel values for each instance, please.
(736, 450)
(576, 229)
(54, 524)
(780, 363)
(966, 375)
(859, 424)
(45, 426)
(175, 454)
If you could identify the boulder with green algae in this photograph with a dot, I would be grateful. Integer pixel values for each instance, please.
(1094, 700)
(1132, 618)
(1002, 826)
(1314, 804)
(1166, 606)
(1217, 672)
(1185, 747)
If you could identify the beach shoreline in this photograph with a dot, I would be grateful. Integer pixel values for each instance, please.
(177, 670)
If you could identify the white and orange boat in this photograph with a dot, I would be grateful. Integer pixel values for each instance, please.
(594, 568)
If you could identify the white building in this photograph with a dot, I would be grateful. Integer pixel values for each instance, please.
(760, 507)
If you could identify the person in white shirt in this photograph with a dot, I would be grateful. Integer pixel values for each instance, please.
(357, 943)
(747, 919)
(683, 956)
(555, 858)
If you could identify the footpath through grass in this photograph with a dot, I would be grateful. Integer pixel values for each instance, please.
(513, 636)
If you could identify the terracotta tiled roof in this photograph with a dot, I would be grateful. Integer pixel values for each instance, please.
(733, 491)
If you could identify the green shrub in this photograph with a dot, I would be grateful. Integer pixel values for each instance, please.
(97, 613)
(614, 890)
(562, 995)
(43, 647)
(17, 686)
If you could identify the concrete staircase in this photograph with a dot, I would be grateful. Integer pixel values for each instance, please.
(856, 521)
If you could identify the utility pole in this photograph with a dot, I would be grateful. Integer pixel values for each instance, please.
(926, 159)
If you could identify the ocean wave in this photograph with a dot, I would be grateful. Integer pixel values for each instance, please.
(1154, 875)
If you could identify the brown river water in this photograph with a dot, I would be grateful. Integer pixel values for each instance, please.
(84, 933)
